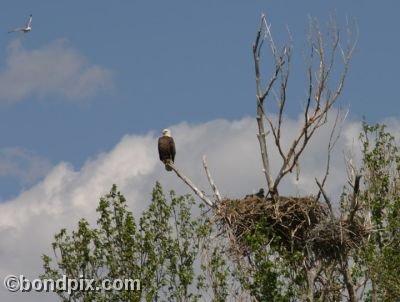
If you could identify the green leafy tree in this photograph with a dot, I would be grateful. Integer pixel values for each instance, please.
(379, 258)
(160, 251)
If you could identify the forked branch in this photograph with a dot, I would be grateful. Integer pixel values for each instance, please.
(333, 138)
(321, 93)
(263, 34)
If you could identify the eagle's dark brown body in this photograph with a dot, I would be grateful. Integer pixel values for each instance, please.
(166, 150)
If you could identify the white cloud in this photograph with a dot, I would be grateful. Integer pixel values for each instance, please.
(28, 222)
(23, 165)
(56, 69)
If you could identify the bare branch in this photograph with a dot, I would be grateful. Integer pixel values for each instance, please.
(315, 113)
(354, 181)
(192, 186)
(268, 35)
(348, 280)
(260, 101)
(211, 181)
(355, 204)
(327, 200)
(332, 142)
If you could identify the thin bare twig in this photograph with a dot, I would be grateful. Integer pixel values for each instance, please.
(261, 95)
(327, 199)
(319, 99)
(332, 142)
(211, 181)
(354, 178)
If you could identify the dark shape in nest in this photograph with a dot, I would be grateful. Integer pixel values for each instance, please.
(303, 224)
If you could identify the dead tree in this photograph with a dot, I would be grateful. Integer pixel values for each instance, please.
(303, 224)
(320, 98)
(322, 93)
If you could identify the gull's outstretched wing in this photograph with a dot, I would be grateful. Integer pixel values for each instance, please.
(28, 24)
(16, 29)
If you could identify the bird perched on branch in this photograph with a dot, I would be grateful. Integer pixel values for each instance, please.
(166, 149)
(259, 194)
(25, 29)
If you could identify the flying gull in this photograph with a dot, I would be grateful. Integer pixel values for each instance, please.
(25, 29)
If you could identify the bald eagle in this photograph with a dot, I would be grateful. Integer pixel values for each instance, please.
(166, 149)
(259, 194)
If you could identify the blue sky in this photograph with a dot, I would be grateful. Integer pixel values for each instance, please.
(84, 95)
(175, 61)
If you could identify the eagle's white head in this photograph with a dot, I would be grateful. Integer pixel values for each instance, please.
(166, 132)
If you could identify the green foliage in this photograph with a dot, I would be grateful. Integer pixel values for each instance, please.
(381, 255)
(270, 276)
(161, 250)
(216, 265)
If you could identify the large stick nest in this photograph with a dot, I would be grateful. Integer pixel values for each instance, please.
(302, 224)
